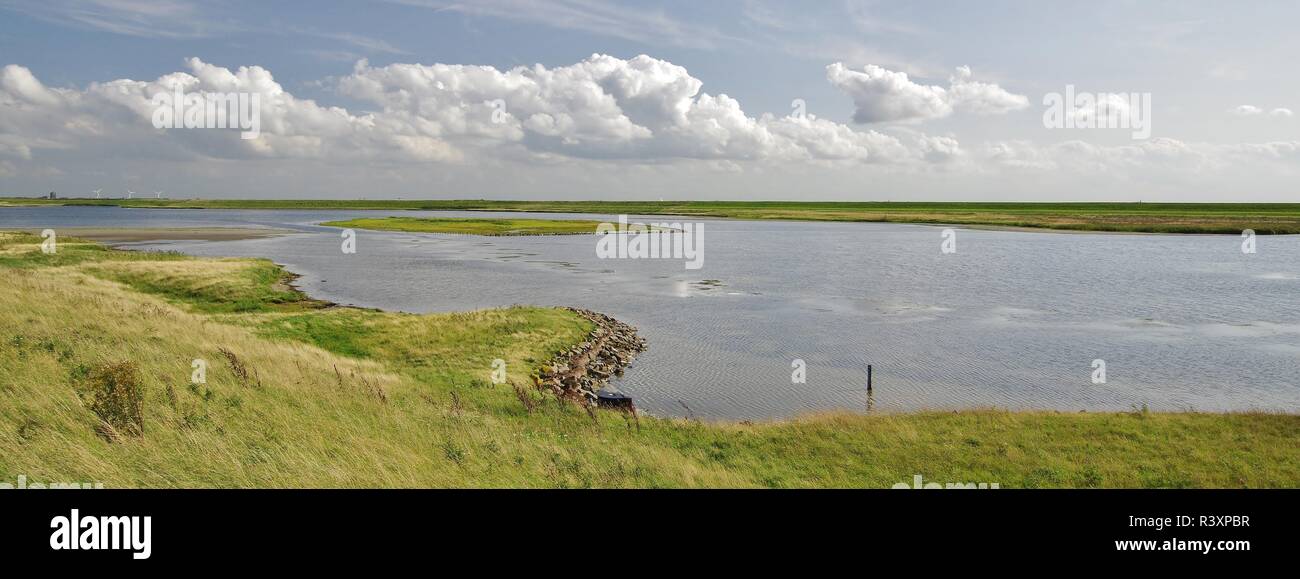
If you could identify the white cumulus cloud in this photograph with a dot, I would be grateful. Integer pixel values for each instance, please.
(602, 125)
(881, 95)
(604, 107)
(1254, 111)
(640, 109)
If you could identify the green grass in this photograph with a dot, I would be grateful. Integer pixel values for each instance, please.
(1221, 218)
(302, 396)
(212, 286)
(23, 251)
(473, 226)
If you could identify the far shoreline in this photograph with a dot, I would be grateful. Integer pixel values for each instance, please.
(1080, 217)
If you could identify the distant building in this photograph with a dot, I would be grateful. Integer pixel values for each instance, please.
(53, 196)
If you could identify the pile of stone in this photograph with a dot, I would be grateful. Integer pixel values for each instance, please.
(581, 371)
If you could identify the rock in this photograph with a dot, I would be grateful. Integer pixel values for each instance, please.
(580, 372)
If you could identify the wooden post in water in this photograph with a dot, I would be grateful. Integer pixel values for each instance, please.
(871, 396)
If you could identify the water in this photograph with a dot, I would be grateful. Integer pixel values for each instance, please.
(1012, 320)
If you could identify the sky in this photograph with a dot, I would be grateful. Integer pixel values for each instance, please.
(855, 100)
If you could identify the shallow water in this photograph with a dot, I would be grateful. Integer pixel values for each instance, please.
(1012, 319)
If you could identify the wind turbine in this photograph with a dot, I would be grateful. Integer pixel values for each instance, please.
(157, 194)
(96, 192)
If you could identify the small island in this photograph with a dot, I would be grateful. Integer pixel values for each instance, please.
(466, 226)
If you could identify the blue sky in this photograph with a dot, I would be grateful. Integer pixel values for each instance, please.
(1219, 76)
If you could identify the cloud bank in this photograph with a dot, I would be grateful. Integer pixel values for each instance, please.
(603, 126)
(603, 107)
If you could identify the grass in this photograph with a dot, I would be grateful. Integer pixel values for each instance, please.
(1221, 218)
(212, 285)
(473, 226)
(299, 395)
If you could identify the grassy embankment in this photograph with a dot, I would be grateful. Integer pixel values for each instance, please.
(303, 395)
(1225, 218)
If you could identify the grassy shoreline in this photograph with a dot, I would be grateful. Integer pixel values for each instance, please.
(299, 394)
(1204, 218)
(133, 234)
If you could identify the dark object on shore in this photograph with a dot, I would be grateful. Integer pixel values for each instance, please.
(868, 378)
(610, 398)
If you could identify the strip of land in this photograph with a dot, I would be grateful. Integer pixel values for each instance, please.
(1218, 218)
(473, 226)
(135, 234)
(99, 350)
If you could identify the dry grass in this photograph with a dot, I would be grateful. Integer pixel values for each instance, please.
(115, 395)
